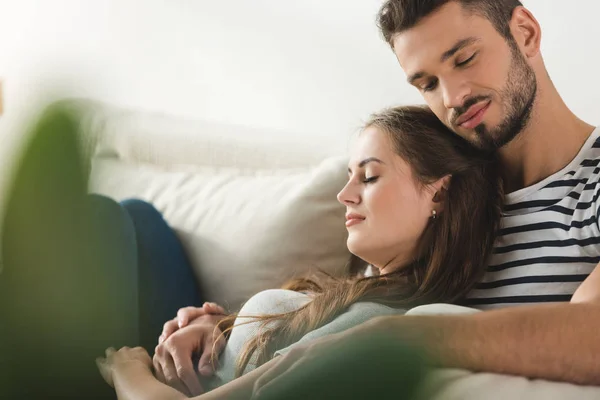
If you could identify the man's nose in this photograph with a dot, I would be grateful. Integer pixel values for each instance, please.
(454, 94)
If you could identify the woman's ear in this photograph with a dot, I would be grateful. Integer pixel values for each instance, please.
(440, 188)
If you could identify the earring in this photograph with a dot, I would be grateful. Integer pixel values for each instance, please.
(433, 214)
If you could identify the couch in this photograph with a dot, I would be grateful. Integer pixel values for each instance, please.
(252, 210)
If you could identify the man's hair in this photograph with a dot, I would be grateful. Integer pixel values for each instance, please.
(396, 16)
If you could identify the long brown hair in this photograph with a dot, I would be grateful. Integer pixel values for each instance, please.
(452, 251)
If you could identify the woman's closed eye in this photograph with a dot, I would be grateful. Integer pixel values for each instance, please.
(371, 179)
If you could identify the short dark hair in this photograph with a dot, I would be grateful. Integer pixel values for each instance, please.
(396, 16)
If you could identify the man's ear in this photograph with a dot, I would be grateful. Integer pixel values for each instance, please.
(526, 31)
(440, 188)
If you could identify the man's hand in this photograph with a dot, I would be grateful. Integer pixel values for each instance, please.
(187, 314)
(173, 356)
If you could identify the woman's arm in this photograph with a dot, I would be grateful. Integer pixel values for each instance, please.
(242, 387)
(135, 381)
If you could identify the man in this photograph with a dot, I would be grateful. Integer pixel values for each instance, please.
(478, 65)
(487, 82)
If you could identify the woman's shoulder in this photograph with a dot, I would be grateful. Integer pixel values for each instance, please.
(274, 301)
(365, 310)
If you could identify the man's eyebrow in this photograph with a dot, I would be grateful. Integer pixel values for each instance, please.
(366, 161)
(411, 79)
(447, 54)
(458, 46)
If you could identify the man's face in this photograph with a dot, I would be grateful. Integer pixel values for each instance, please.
(477, 83)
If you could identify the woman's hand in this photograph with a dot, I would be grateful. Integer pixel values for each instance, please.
(124, 358)
(173, 357)
(187, 314)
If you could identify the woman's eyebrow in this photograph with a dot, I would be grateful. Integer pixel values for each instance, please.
(366, 161)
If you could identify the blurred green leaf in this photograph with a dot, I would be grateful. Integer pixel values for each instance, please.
(49, 323)
(380, 367)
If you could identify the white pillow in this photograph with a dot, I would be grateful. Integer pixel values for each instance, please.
(244, 229)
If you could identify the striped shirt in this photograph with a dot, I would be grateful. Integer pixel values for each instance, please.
(550, 237)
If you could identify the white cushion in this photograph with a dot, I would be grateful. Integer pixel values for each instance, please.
(456, 384)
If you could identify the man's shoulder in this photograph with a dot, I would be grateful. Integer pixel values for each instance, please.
(586, 163)
(580, 175)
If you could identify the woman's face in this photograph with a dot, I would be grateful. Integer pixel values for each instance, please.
(387, 210)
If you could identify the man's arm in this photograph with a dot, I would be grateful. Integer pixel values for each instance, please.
(554, 341)
(559, 342)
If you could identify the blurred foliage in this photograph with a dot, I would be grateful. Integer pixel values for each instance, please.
(379, 368)
(53, 282)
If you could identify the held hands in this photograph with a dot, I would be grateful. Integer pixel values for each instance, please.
(193, 332)
(187, 314)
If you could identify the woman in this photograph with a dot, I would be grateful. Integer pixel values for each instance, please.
(422, 209)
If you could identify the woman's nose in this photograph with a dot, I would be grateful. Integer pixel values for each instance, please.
(348, 195)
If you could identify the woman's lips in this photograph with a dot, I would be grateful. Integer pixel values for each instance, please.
(353, 221)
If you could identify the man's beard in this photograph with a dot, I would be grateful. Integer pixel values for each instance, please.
(518, 98)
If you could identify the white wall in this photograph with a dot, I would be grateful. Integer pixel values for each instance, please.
(315, 67)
